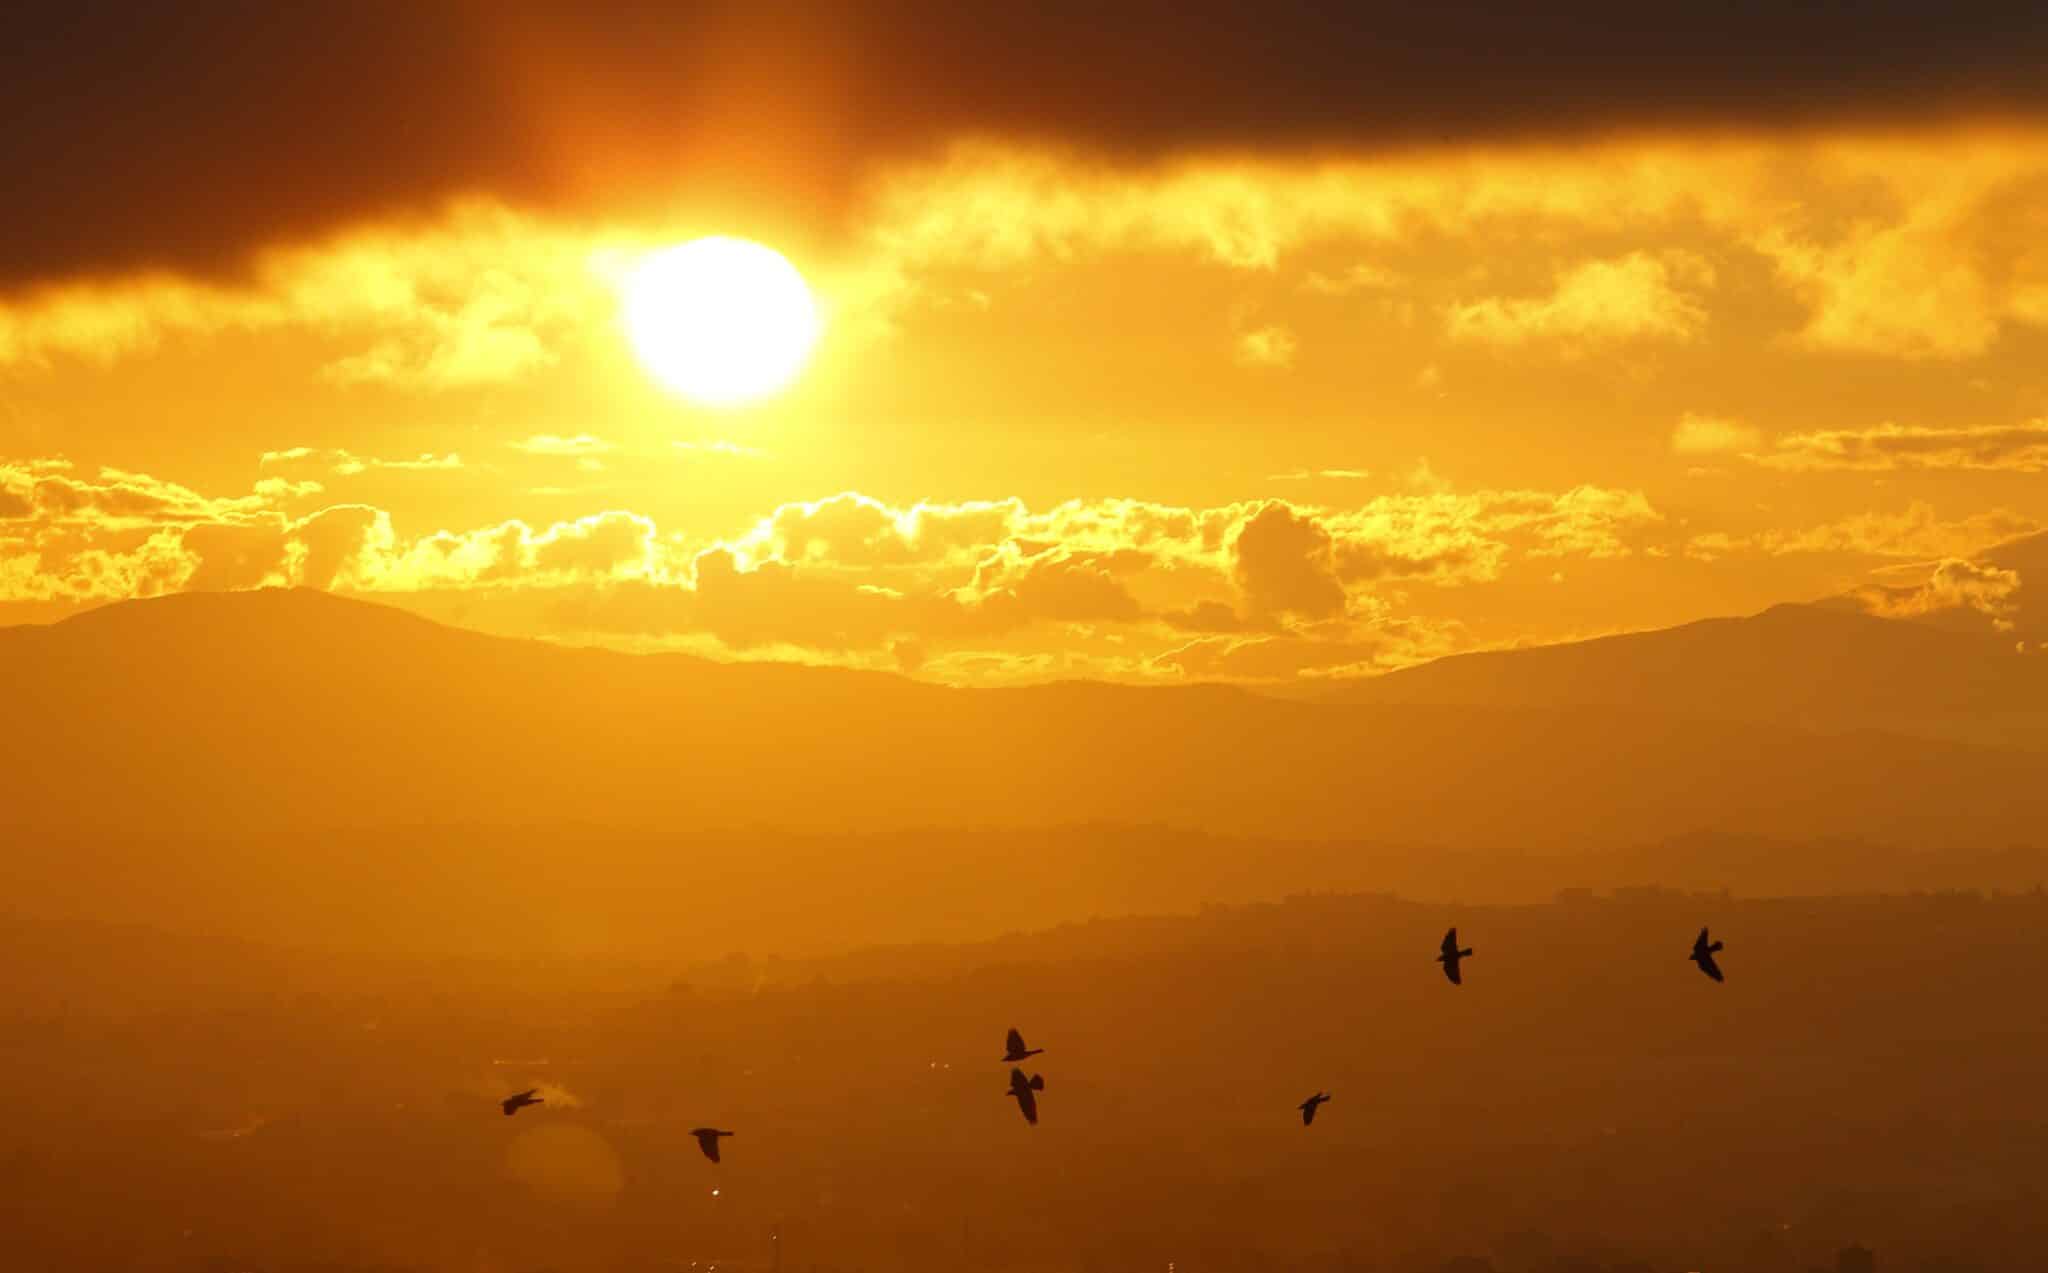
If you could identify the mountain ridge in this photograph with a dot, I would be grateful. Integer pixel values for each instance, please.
(297, 713)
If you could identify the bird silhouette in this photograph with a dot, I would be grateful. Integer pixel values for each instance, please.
(707, 1140)
(1026, 1091)
(1308, 1107)
(1451, 955)
(1016, 1051)
(513, 1104)
(1703, 955)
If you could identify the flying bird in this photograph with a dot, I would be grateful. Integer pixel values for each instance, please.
(1016, 1049)
(1703, 955)
(1026, 1091)
(1451, 955)
(513, 1104)
(1308, 1107)
(707, 1140)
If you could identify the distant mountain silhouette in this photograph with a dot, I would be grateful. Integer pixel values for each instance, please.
(283, 713)
(1811, 667)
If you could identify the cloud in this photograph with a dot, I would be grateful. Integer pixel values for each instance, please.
(990, 589)
(1908, 289)
(1285, 564)
(51, 495)
(1953, 585)
(583, 444)
(1453, 539)
(348, 464)
(554, 107)
(1359, 278)
(1634, 297)
(1713, 435)
(1334, 475)
(478, 295)
(492, 287)
(2014, 448)
(1272, 346)
(1917, 533)
(1265, 658)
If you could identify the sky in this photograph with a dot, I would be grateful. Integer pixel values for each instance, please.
(1181, 343)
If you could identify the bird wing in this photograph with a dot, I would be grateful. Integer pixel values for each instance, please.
(1451, 971)
(1027, 1102)
(1308, 1111)
(1015, 1041)
(1709, 967)
(1699, 944)
(708, 1142)
(1450, 946)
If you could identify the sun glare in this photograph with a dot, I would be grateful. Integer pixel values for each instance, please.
(721, 321)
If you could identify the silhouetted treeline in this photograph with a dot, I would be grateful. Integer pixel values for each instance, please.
(1586, 1101)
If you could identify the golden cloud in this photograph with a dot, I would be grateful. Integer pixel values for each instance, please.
(2017, 448)
(848, 577)
(1269, 346)
(1713, 435)
(1634, 297)
(1953, 585)
(480, 296)
(1916, 533)
(583, 444)
(1907, 245)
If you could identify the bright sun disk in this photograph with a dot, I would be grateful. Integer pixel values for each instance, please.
(721, 321)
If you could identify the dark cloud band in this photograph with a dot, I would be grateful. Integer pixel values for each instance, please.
(182, 135)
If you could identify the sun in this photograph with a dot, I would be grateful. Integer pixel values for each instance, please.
(721, 321)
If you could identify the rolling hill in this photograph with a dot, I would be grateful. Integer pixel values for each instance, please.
(276, 714)
(1808, 667)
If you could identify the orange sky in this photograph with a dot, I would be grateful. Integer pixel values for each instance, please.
(1085, 405)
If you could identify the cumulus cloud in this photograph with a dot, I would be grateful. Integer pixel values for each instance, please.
(968, 588)
(1285, 564)
(49, 493)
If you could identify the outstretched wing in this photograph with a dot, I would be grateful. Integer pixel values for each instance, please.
(708, 1142)
(1451, 967)
(1308, 1112)
(1015, 1041)
(1709, 967)
(1450, 946)
(1027, 1101)
(1699, 945)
